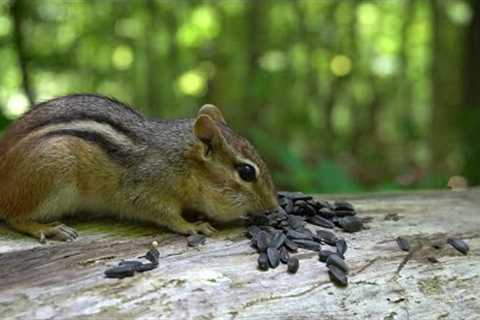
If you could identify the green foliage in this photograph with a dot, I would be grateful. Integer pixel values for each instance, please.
(338, 96)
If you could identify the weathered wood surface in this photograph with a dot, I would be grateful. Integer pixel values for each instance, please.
(220, 280)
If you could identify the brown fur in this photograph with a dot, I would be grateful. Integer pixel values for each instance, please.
(89, 153)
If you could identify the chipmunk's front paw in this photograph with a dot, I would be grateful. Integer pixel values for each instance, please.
(57, 231)
(205, 228)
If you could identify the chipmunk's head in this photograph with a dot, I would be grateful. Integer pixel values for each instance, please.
(233, 179)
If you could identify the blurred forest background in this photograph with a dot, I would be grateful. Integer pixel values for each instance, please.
(338, 96)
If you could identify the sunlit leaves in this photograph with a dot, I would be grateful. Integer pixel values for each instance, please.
(202, 26)
(341, 65)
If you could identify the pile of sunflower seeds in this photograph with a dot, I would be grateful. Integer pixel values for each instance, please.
(278, 233)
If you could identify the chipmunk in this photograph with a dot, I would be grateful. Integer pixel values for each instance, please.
(89, 153)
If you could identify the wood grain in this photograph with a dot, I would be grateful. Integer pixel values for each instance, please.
(220, 280)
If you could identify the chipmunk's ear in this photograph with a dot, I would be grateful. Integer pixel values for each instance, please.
(207, 131)
(213, 112)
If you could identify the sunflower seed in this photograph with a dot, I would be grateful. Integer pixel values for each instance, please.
(130, 263)
(307, 244)
(293, 265)
(326, 236)
(337, 276)
(341, 245)
(343, 205)
(278, 239)
(290, 245)
(153, 255)
(273, 257)
(403, 244)
(350, 224)
(292, 234)
(458, 244)
(321, 222)
(324, 254)
(262, 240)
(263, 261)
(146, 267)
(284, 255)
(336, 260)
(120, 272)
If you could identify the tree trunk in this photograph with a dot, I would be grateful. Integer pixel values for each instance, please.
(471, 98)
(17, 12)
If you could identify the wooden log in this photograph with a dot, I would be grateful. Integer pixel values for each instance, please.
(220, 281)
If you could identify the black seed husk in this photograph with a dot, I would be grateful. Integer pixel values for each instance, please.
(273, 257)
(133, 263)
(350, 224)
(293, 265)
(324, 254)
(262, 241)
(195, 240)
(120, 272)
(284, 255)
(153, 255)
(278, 239)
(459, 244)
(290, 245)
(343, 205)
(253, 230)
(293, 234)
(337, 261)
(326, 213)
(263, 261)
(337, 276)
(341, 245)
(403, 244)
(307, 244)
(146, 267)
(326, 236)
(321, 222)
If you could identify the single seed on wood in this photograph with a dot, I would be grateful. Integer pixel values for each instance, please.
(403, 244)
(133, 263)
(324, 254)
(284, 255)
(341, 245)
(338, 276)
(153, 255)
(293, 265)
(154, 244)
(195, 240)
(120, 272)
(263, 261)
(273, 257)
(458, 244)
(146, 267)
(336, 260)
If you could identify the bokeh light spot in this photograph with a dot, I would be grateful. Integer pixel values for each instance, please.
(122, 57)
(192, 83)
(341, 65)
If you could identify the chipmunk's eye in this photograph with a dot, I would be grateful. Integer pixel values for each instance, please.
(246, 172)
